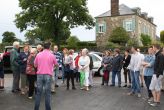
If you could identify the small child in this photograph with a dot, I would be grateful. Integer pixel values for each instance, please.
(1, 73)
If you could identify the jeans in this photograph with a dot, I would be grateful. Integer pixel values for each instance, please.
(148, 82)
(118, 73)
(16, 78)
(91, 78)
(56, 75)
(43, 81)
(63, 73)
(135, 81)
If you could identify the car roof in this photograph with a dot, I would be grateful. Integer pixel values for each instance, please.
(20, 46)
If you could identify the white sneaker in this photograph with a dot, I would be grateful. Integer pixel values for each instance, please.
(139, 95)
(30, 98)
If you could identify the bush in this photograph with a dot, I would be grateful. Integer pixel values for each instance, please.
(162, 36)
(79, 44)
(146, 39)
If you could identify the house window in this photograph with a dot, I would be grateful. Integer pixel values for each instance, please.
(101, 28)
(129, 25)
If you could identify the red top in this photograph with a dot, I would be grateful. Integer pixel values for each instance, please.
(76, 61)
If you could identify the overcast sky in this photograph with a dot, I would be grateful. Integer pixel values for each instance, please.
(154, 8)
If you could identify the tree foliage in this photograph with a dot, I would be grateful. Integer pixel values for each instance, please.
(146, 40)
(162, 36)
(119, 35)
(53, 17)
(8, 37)
(72, 41)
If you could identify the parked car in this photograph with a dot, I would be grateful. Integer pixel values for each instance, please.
(98, 53)
(96, 62)
(6, 57)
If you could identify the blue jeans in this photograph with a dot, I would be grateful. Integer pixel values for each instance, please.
(148, 82)
(56, 72)
(135, 81)
(118, 73)
(43, 81)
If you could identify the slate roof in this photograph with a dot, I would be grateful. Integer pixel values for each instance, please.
(123, 9)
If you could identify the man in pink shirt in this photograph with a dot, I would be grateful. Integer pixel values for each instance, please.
(44, 62)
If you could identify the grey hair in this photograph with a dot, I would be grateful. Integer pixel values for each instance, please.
(85, 50)
(39, 46)
(16, 43)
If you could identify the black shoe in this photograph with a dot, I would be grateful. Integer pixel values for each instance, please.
(129, 86)
(14, 91)
(56, 85)
(2, 88)
(73, 88)
(102, 84)
(18, 90)
(119, 86)
(125, 86)
(112, 85)
(142, 85)
(162, 90)
(67, 88)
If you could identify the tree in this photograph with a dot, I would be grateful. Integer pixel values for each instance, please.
(8, 37)
(162, 36)
(119, 35)
(146, 39)
(72, 41)
(53, 17)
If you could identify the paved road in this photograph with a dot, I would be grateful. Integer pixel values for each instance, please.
(98, 98)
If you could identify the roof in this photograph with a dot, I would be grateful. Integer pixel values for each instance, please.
(123, 9)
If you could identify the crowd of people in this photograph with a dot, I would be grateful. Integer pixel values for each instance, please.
(38, 69)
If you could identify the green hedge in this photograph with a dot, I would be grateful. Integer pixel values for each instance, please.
(86, 44)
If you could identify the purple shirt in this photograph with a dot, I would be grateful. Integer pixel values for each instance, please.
(45, 62)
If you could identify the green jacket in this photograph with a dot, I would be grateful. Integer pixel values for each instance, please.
(14, 59)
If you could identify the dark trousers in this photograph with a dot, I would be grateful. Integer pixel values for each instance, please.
(70, 75)
(31, 80)
(105, 78)
(148, 82)
(16, 78)
(127, 75)
(77, 76)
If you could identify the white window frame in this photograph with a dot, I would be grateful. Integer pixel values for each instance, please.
(101, 28)
(129, 25)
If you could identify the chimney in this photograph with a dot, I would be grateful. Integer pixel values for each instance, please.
(114, 7)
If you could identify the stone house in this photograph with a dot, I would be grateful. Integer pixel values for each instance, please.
(132, 20)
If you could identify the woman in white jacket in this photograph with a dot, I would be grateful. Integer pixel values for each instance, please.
(83, 63)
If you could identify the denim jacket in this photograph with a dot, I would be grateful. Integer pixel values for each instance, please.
(149, 71)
